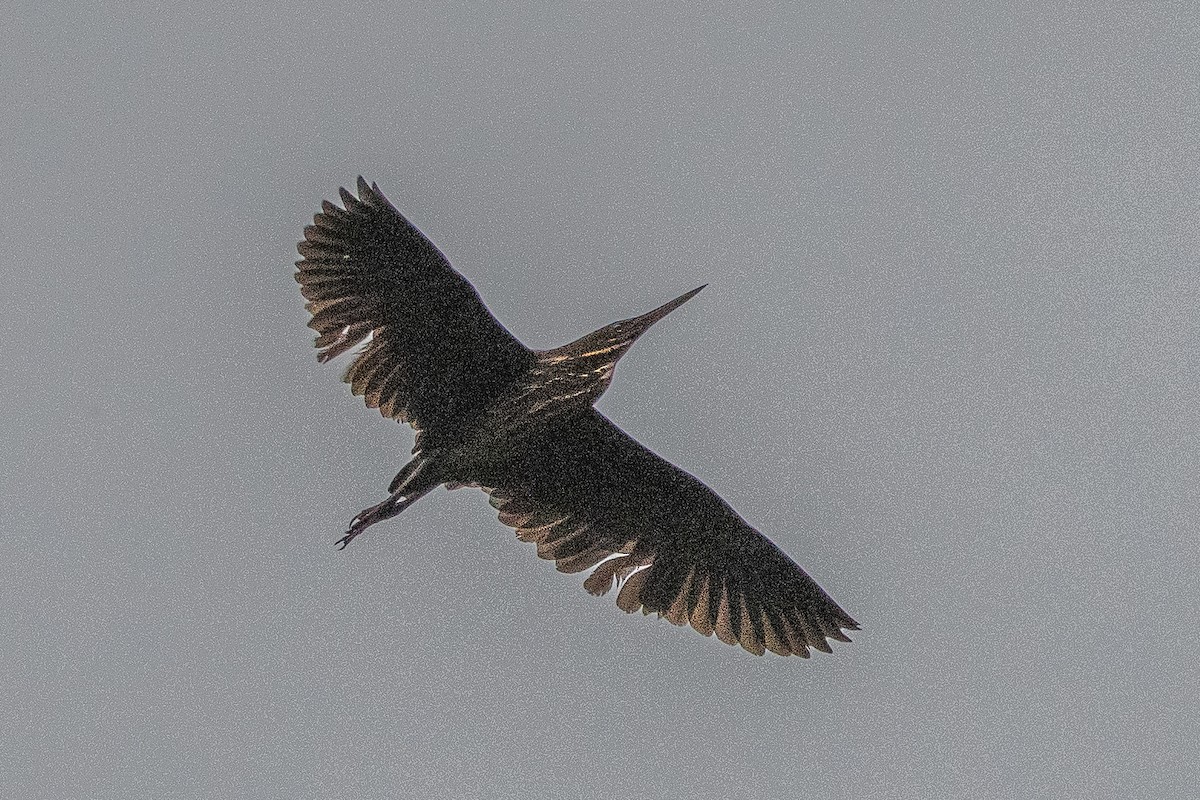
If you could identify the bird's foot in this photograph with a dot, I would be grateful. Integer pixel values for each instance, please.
(378, 513)
(360, 523)
(345, 540)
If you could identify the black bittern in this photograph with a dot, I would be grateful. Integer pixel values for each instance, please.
(519, 424)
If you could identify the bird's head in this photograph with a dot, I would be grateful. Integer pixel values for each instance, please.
(607, 345)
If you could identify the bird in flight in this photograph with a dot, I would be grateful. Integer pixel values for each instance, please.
(520, 425)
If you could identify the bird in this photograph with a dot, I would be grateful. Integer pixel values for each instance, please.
(521, 425)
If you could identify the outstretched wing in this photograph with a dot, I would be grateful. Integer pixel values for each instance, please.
(437, 356)
(592, 493)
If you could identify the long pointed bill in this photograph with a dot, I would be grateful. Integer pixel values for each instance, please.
(613, 341)
(641, 324)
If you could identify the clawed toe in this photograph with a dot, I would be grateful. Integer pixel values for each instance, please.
(362, 521)
(377, 513)
(357, 526)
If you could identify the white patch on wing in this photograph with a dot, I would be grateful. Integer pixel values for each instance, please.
(355, 351)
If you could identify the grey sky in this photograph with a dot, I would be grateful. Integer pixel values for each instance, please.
(947, 360)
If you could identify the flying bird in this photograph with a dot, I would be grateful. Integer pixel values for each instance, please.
(519, 424)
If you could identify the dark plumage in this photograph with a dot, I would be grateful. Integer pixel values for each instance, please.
(519, 423)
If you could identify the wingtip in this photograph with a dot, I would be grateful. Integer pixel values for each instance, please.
(370, 193)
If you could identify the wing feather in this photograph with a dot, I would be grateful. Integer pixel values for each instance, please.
(436, 356)
(680, 551)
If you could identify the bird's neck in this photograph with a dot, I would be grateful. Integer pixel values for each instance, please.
(556, 384)
(567, 379)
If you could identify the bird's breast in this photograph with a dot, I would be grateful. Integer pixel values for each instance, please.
(544, 403)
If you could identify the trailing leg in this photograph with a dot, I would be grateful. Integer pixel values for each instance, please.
(406, 489)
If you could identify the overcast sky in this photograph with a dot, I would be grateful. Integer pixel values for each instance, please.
(947, 359)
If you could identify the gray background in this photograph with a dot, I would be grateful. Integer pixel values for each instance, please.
(947, 359)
